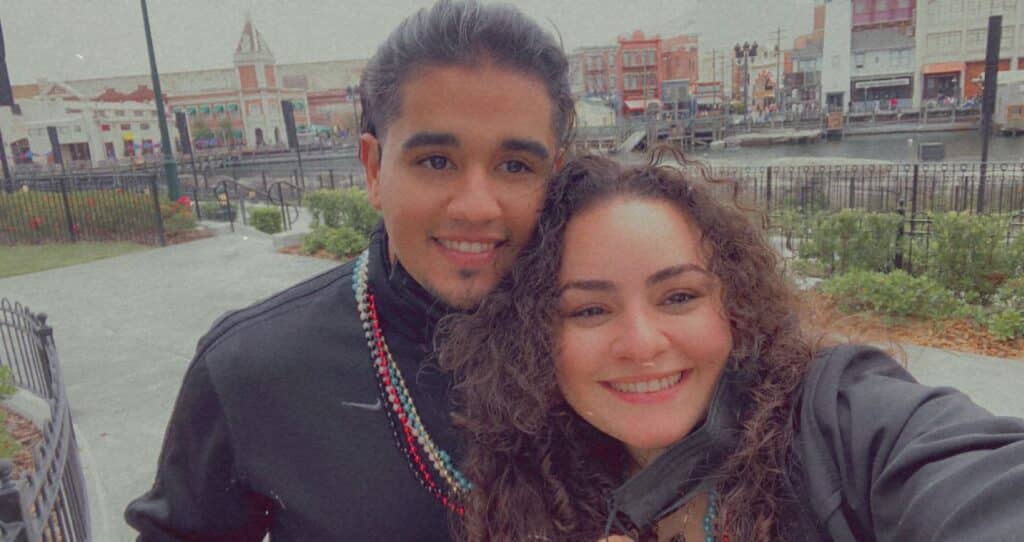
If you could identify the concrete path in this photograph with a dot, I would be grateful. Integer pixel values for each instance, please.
(126, 329)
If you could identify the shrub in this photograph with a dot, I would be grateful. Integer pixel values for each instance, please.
(178, 215)
(334, 208)
(218, 210)
(897, 294)
(968, 253)
(7, 388)
(266, 219)
(853, 239)
(342, 242)
(1007, 319)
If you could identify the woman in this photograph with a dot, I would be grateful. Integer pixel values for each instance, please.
(642, 371)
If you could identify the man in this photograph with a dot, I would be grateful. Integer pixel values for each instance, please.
(313, 415)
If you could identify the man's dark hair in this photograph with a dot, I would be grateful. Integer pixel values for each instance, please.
(464, 33)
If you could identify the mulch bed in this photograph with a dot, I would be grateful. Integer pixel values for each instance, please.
(958, 335)
(296, 250)
(28, 435)
(178, 237)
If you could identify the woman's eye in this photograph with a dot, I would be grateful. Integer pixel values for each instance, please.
(677, 298)
(435, 162)
(587, 312)
(515, 166)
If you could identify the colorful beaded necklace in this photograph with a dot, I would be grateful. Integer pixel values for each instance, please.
(709, 522)
(410, 435)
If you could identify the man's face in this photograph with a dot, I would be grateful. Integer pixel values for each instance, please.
(460, 175)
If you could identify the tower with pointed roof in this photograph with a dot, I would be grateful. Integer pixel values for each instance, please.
(258, 87)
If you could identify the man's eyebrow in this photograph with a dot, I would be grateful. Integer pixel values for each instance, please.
(427, 139)
(589, 285)
(674, 271)
(526, 145)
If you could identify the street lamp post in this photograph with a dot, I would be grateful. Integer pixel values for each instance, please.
(744, 53)
(166, 149)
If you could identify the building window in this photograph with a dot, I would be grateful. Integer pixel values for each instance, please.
(104, 127)
(144, 126)
(119, 112)
(975, 39)
(611, 61)
(944, 42)
(1006, 43)
(860, 6)
(140, 113)
(126, 127)
(858, 60)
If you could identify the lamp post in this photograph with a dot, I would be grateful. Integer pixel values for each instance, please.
(743, 54)
(166, 149)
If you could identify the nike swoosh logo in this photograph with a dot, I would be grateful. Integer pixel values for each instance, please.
(364, 406)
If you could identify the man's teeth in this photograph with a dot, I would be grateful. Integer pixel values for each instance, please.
(466, 246)
(649, 386)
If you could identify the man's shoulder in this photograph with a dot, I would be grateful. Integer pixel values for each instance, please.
(286, 317)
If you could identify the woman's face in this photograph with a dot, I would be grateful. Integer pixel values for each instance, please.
(642, 333)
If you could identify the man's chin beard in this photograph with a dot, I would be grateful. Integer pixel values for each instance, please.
(462, 298)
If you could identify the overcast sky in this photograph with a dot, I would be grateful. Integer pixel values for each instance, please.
(77, 39)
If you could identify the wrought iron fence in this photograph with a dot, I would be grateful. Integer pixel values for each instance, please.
(49, 503)
(996, 187)
(83, 207)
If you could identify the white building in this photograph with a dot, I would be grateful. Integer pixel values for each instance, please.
(88, 131)
(835, 62)
(882, 68)
(951, 40)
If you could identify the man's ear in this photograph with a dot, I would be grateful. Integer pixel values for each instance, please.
(369, 155)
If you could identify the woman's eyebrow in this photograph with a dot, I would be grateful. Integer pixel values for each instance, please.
(675, 271)
(588, 285)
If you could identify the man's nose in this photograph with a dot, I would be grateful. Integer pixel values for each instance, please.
(476, 198)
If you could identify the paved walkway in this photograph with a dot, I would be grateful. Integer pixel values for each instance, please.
(126, 329)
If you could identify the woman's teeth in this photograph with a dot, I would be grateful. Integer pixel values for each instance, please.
(648, 386)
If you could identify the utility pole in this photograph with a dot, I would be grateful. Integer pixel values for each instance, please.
(778, 68)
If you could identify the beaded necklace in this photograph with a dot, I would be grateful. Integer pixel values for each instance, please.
(410, 435)
(709, 522)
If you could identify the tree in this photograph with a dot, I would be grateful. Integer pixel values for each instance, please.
(226, 131)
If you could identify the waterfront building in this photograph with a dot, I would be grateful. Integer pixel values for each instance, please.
(90, 131)
(951, 38)
(593, 71)
(835, 62)
(639, 71)
(802, 82)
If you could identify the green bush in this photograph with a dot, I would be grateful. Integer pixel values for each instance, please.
(852, 239)
(177, 216)
(1006, 321)
(897, 294)
(266, 219)
(7, 388)
(334, 208)
(342, 242)
(968, 253)
(8, 445)
(217, 210)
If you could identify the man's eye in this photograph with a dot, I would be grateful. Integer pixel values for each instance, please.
(515, 166)
(435, 162)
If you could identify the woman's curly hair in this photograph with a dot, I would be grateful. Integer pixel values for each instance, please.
(541, 472)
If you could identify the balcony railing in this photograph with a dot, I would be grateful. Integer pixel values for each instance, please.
(883, 16)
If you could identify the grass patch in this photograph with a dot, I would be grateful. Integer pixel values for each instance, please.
(22, 259)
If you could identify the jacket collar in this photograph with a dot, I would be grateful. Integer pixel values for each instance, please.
(404, 305)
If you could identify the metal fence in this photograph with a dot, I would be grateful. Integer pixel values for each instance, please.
(49, 503)
(997, 187)
(82, 207)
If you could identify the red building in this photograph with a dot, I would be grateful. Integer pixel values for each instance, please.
(874, 13)
(640, 71)
(680, 56)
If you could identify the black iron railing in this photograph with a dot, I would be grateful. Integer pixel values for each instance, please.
(49, 503)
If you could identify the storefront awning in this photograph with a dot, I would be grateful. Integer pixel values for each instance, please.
(944, 67)
(640, 105)
(883, 83)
